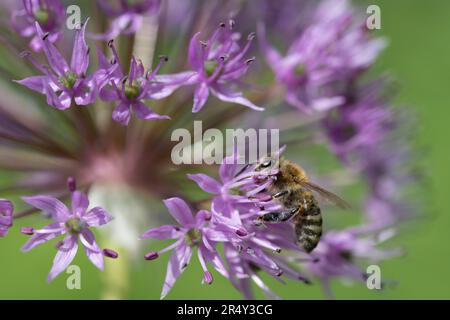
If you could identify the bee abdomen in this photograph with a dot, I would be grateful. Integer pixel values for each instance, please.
(308, 229)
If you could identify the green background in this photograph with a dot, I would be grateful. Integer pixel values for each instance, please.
(418, 56)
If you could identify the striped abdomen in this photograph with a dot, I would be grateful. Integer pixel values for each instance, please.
(308, 226)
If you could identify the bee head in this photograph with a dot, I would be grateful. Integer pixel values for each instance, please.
(267, 162)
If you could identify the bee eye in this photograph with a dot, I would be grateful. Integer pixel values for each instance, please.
(266, 164)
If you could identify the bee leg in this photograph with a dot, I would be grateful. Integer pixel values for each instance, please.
(280, 194)
(286, 215)
(280, 216)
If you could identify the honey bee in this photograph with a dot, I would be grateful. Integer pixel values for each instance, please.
(293, 190)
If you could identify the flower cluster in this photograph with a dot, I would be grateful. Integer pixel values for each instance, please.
(322, 74)
(239, 199)
(75, 223)
(49, 14)
(127, 16)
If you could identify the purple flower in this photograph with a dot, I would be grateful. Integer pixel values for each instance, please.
(75, 223)
(324, 58)
(239, 199)
(64, 84)
(132, 90)
(6, 216)
(193, 231)
(339, 252)
(361, 123)
(218, 65)
(49, 14)
(127, 16)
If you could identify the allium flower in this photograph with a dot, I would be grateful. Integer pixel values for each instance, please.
(75, 223)
(340, 254)
(219, 63)
(127, 15)
(334, 49)
(49, 14)
(239, 200)
(361, 123)
(65, 84)
(132, 90)
(6, 216)
(193, 231)
(128, 170)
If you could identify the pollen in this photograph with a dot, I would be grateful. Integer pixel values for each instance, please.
(132, 91)
(74, 226)
(210, 66)
(68, 80)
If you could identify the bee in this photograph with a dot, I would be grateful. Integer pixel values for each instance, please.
(293, 190)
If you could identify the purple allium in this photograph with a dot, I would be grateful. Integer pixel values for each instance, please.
(133, 89)
(127, 15)
(340, 254)
(361, 123)
(49, 14)
(218, 63)
(239, 200)
(6, 216)
(75, 223)
(65, 84)
(192, 231)
(332, 51)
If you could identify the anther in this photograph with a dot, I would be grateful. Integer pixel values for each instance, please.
(71, 184)
(151, 256)
(248, 61)
(208, 277)
(241, 232)
(29, 231)
(110, 253)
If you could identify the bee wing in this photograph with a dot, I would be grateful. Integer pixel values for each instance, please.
(325, 194)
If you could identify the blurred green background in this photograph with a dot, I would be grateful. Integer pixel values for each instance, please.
(418, 56)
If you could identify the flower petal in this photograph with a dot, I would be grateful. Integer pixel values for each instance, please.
(43, 235)
(50, 205)
(35, 83)
(6, 211)
(178, 260)
(122, 113)
(109, 94)
(200, 96)
(55, 59)
(144, 113)
(80, 203)
(163, 232)
(214, 258)
(97, 216)
(91, 248)
(64, 257)
(180, 211)
(195, 52)
(80, 53)
(205, 182)
(234, 97)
